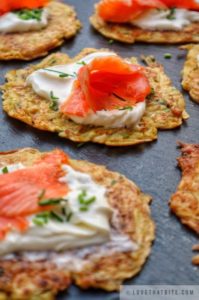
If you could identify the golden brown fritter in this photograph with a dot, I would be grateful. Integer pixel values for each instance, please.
(165, 107)
(130, 34)
(63, 24)
(190, 73)
(20, 279)
(185, 202)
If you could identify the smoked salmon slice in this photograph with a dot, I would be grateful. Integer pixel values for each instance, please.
(10, 5)
(56, 156)
(118, 10)
(76, 103)
(188, 4)
(122, 11)
(107, 83)
(7, 224)
(21, 190)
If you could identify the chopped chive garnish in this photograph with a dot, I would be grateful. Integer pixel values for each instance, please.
(113, 182)
(53, 61)
(90, 200)
(39, 221)
(50, 201)
(111, 42)
(84, 201)
(80, 145)
(168, 55)
(52, 96)
(29, 14)
(82, 196)
(63, 211)
(81, 63)
(120, 98)
(126, 108)
(152, 91)
(172, 13)
(42, 218)
(62, 74)
(5, 170)
(54, 102)
(69, 216)
(83, 208)
(56, 217)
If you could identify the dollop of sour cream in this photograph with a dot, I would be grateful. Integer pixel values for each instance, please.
(116, 118)
(155, 19)
(12, 23)
(46, 82)
(85, 228)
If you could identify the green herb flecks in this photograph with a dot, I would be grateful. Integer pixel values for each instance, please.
(54, 103)
(67, 214)
(5, 170)
(29, 14)
(168, 55)
(126, 108)
(62, 74)
(83, 208)
(52, 201)
(80, 145)
(113, 182)
(81, 63)
(172, 14)
(84, 201)
(56, 217)
(111, 42)
(119, 97)
(41, 219)
(61, 214)
(152, 92)
(151, 95)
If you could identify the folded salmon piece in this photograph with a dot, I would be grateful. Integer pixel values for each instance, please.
(106, 84)
(188, 4)
(21, 190)
(122, 11)
(10, 5)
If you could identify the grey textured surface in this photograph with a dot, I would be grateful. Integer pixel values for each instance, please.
(152, 166)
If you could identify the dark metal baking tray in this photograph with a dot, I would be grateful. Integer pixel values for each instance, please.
(152, 166)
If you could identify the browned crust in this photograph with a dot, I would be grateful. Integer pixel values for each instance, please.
(185, 202)
(190, 72)
(63, 24)
(131, 34)
(27, 281)
(195, 259)
(20, 102)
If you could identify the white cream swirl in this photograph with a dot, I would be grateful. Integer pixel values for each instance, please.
(12, 23)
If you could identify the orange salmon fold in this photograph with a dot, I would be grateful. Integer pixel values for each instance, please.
(21, 190)
(107, 83)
